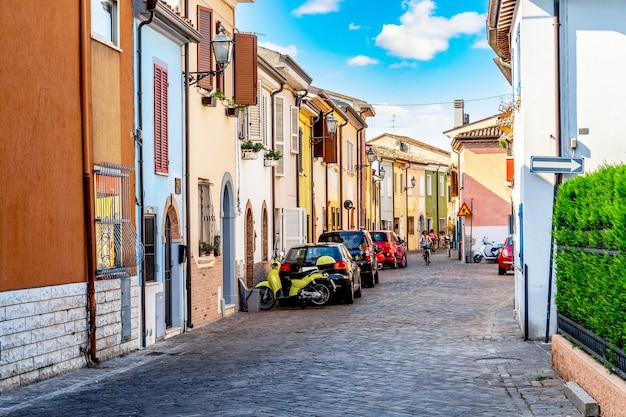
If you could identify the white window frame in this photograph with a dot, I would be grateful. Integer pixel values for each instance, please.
(442, 191)
(102, 29)
(429, 185)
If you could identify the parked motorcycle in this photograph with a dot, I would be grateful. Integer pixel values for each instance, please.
(489, 250)
(313, 285)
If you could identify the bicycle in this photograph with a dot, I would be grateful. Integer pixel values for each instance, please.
(426, 255)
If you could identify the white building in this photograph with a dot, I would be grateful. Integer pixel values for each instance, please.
(566, 62)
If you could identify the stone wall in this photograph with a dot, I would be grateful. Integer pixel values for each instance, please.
(574, 364)
(43, 331)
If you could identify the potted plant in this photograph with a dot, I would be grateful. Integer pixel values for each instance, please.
(272, 157)
(249, 149)
(206, 249)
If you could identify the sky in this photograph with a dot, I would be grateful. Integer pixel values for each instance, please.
(410, 59)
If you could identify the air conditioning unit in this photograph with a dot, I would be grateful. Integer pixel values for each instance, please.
(404, 147)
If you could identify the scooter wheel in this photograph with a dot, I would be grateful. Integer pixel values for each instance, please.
(324, 295)
(267, 299)
(477, 258)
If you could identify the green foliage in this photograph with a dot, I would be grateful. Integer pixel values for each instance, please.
(251, 146)
(589, 219)
(273, 154)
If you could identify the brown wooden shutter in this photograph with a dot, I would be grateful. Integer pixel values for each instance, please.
(330, 150)
(245, 64)
(318, 132)
(205, 50)
(160, 120)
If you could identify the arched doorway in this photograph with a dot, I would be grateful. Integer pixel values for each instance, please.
(228, 215)
(167, 269)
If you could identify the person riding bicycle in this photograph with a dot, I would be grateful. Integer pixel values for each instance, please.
(433, 239)
(425, 242)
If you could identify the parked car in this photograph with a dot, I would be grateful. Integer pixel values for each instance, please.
(361, 247)
(505, 258)
(346, 273)
(391, 246)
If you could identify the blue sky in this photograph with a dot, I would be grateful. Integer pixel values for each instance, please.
(409, 58)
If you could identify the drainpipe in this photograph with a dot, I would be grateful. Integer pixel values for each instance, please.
(359, 178)
(88, 186)
(313, 214)
(187, 184)
(273, 100)
(341, 197)
(326, 179)
(139, 140)
(557, 133)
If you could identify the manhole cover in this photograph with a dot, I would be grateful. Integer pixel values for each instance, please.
(497, 361)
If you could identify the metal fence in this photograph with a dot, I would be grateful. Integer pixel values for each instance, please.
(611, 356)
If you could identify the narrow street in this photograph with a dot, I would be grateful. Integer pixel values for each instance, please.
(438, 340)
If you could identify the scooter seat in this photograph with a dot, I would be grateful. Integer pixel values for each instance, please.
(299, 275)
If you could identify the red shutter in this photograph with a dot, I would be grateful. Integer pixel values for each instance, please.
(205, 50)
(318, 132)
(245, 64)
(160, 120)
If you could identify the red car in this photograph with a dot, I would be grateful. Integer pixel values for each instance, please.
(391, 247)
(505, 258)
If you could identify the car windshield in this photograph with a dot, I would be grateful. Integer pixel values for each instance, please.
(379, 237)
(308, 255)
(350, 239)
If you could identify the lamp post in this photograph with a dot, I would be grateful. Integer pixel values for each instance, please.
(222, 46)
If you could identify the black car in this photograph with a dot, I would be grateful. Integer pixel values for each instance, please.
(346, 273)
(361, 247)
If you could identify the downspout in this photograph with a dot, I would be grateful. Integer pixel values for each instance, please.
(341, 197)
(273, 100)
(326, 222)
(298, 102)
(359, 179)
(88, 186)
(313, 214)
(557, 132)
(139, 140)
(187, 184)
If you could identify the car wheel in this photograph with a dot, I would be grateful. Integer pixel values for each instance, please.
(501, 271)
(267, 299)
(376, 277)
(349, 296)
(404, 261)
(394, 264)
(358, 293)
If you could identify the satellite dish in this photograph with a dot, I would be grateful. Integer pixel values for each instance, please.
(348, 204)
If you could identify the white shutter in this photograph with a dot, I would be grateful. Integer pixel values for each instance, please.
(265, 126)
(295, 137)
(279, 111)
(254, 116)
(294, 227)
(280, 166)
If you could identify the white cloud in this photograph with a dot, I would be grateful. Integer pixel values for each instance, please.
(481, 44)
(421, 35)
(317, 7)
(354, 26)
(403, 64)
(290, 50)
(362, 60)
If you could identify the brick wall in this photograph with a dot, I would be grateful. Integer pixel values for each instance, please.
(206, 281)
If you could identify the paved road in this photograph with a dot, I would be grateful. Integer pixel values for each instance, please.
(427, 341)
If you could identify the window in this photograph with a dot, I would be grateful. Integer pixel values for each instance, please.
(279, 110)
(442, 190)
(104, 21)
(116, 239)
(161, 161)
(149, 260)
(295, 130)
(411, 225)
(429, 185)
(208, 230)
(350, 157)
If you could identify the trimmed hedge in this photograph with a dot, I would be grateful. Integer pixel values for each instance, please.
(590, 233)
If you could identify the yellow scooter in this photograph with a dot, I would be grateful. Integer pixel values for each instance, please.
(313, 285)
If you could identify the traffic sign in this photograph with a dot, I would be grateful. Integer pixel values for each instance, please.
(464, 211)
(556, 165)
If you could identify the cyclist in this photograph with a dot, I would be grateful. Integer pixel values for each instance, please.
(426, 243)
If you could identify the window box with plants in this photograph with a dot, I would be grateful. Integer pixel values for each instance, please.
(250, 149)
(271, 158)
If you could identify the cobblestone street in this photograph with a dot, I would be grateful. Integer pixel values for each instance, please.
(438, 340)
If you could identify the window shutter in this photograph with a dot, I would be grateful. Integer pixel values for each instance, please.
(245, 64)
(295, 148)
(279, 109)
(205, 50)
(330, 150)
(160, 120)
(318, 131)
(264, 122)
(280, 166)
(300, 162)
(254, 116)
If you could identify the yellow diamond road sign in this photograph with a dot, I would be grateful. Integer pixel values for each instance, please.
(464, 211)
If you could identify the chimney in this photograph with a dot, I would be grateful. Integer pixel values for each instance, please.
(459, 113)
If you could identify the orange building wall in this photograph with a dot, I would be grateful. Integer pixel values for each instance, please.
(42, 238)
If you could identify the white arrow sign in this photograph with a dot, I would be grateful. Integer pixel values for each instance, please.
(556, 165)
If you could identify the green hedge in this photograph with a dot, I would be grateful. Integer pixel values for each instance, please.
(590, 233)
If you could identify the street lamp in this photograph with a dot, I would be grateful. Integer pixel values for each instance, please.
(331, 124)
(371, 157)
(222, 46)
(381, 173)
(412, 184)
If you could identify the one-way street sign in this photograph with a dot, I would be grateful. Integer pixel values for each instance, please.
(556, 165)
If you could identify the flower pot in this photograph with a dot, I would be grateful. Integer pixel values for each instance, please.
(270, 162)
(245, 154)
(232, 112)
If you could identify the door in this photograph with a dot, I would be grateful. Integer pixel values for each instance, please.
(168, 272)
